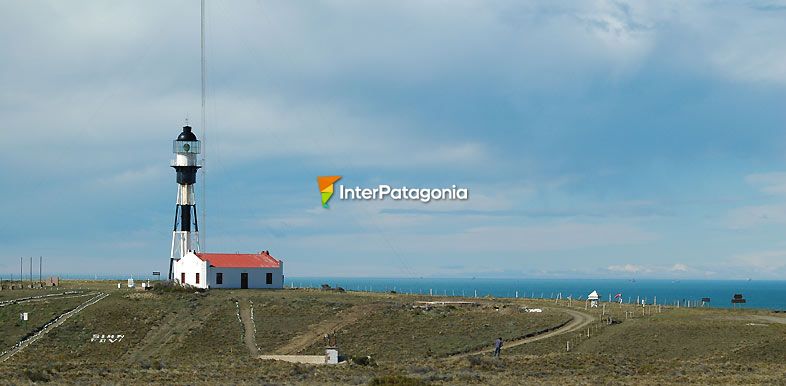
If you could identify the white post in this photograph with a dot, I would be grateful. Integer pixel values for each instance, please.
(517, 294)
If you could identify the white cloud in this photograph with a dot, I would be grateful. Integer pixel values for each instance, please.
(768, 262)
(628, 268)
(770, 183)
(679, 267)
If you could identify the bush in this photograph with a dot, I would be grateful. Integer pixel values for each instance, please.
(299, 371)
(397, 380)
(364, 360)
(37, 375)
(484, 363)
(173, 286)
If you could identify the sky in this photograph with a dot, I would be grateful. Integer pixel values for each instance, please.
(598, 139)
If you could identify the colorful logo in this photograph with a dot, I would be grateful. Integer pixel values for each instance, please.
(326, 187)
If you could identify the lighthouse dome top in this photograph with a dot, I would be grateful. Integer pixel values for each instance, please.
(186, 135)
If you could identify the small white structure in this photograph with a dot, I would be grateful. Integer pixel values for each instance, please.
(331, 355)
(229, 270)
(593, 298)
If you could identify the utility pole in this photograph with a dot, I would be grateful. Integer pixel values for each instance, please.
(203, 239)
(40, 260)
(31, 271)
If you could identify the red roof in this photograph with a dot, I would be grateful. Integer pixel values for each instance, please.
(240, 260)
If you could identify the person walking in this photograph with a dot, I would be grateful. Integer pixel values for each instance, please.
(497, 347)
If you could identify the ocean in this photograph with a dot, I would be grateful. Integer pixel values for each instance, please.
(768, 294)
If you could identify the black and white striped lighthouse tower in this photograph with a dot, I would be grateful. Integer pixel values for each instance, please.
(185, 233)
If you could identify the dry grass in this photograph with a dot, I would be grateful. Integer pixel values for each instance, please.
(186, 338)
(396, 331)
(40, 312)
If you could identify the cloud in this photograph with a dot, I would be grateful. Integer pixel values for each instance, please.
(769, 262)
(679, 267)
(628, 268)
(537, 106)
(770, 183)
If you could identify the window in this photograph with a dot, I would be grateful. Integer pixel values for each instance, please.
(269, 278)
(182, 278)
(197, 278)
(219, 278)
(185, 147)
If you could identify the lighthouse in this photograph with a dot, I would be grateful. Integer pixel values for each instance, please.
(185, 233)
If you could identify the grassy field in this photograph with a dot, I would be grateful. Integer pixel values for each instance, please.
(283, 315)
(197, 338)
(418, 333)
(39, 312)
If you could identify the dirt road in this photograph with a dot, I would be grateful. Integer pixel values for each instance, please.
(317, 331)
(249, 329)
(579, 320)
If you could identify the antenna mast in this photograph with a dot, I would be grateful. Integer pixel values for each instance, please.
(202, 196)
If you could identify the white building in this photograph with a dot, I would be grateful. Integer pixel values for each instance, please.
(593, 298)
(229, 270)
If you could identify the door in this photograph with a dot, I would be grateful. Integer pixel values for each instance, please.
(182, 278)
(243, 280)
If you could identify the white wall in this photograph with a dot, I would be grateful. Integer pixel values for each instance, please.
(191, 264)
(256, 277)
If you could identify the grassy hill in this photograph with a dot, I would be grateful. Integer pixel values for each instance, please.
(198, 338)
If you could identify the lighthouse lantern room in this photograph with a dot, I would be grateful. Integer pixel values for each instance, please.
(185, 233)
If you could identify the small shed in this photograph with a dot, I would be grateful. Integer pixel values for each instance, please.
(593, 298)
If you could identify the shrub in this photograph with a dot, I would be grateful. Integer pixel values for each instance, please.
(35, 375)
(396, 380)
(484, 363)
(364, 360)
(173, 286)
